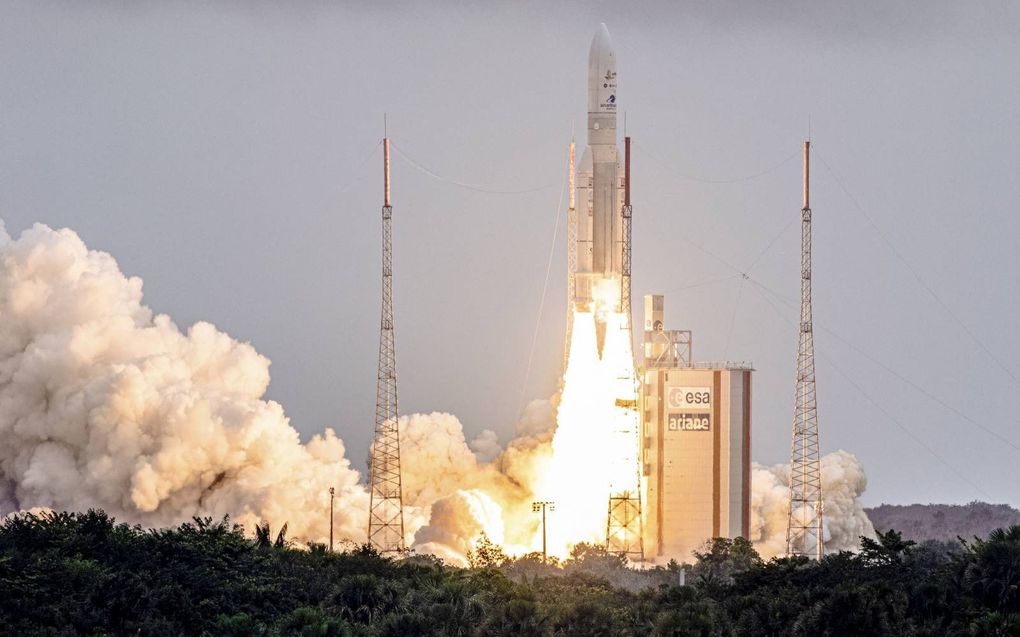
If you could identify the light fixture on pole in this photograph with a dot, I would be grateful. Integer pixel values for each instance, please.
(543, 507)
(332, 491)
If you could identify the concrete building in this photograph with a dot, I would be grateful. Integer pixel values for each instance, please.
(696, 439)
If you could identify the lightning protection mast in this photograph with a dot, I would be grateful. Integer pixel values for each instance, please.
(804, 531)
(386, 506)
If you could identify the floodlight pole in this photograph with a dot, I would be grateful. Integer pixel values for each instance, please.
(331, 492)
(544, 554)
(543, 506)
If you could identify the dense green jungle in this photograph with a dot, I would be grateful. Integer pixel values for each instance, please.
(86, 574)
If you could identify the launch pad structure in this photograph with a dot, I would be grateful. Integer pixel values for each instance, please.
(386, 505)
(696, 442)
(625, 520)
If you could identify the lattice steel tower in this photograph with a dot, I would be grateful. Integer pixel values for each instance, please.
(624, 521)
(804, 531)
(628, 212)
(386, 506)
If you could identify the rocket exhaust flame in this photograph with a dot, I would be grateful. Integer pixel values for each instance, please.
(595, 447)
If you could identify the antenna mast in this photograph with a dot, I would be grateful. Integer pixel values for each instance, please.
(386, 506)
(804, 531)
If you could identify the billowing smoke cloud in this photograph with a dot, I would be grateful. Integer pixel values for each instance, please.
(486, 446)
(844, 520)
(104, 404)
(460, 495)
(456, 523)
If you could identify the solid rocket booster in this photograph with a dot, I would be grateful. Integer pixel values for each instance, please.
(599, 186)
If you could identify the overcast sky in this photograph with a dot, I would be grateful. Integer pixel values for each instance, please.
(228, 154)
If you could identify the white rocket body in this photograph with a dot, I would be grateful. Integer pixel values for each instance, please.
(599, 193)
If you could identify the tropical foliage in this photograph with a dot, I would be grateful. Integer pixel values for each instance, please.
(82, 573)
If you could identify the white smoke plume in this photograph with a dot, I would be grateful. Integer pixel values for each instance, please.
(457, 522)
(106, 405)
(844, 520)
(457, 496)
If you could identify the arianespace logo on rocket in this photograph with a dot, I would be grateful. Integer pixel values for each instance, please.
(609, 86)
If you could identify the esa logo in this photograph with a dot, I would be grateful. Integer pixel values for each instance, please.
(689, 397)
(689, 422)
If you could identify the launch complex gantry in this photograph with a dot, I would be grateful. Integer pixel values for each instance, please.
(624, 520)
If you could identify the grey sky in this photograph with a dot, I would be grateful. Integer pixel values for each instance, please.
(227, 154)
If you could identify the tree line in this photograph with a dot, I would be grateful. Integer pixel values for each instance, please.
(86, 574)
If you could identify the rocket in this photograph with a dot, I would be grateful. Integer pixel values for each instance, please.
(596, 225)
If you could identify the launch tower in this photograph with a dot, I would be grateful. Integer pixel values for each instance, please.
(625, 522)
(386, 507)
(804, 532)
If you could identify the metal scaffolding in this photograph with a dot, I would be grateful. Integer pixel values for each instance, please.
(804, 531)
(627, 213)
(386, 507)
(624, 522)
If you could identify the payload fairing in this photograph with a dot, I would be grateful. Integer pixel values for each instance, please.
(598, 233)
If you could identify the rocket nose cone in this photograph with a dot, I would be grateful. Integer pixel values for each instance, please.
(601, 44)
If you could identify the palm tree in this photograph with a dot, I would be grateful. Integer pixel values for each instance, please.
(263, 535)
(262, 540)
(281, 537)
(994, 575)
